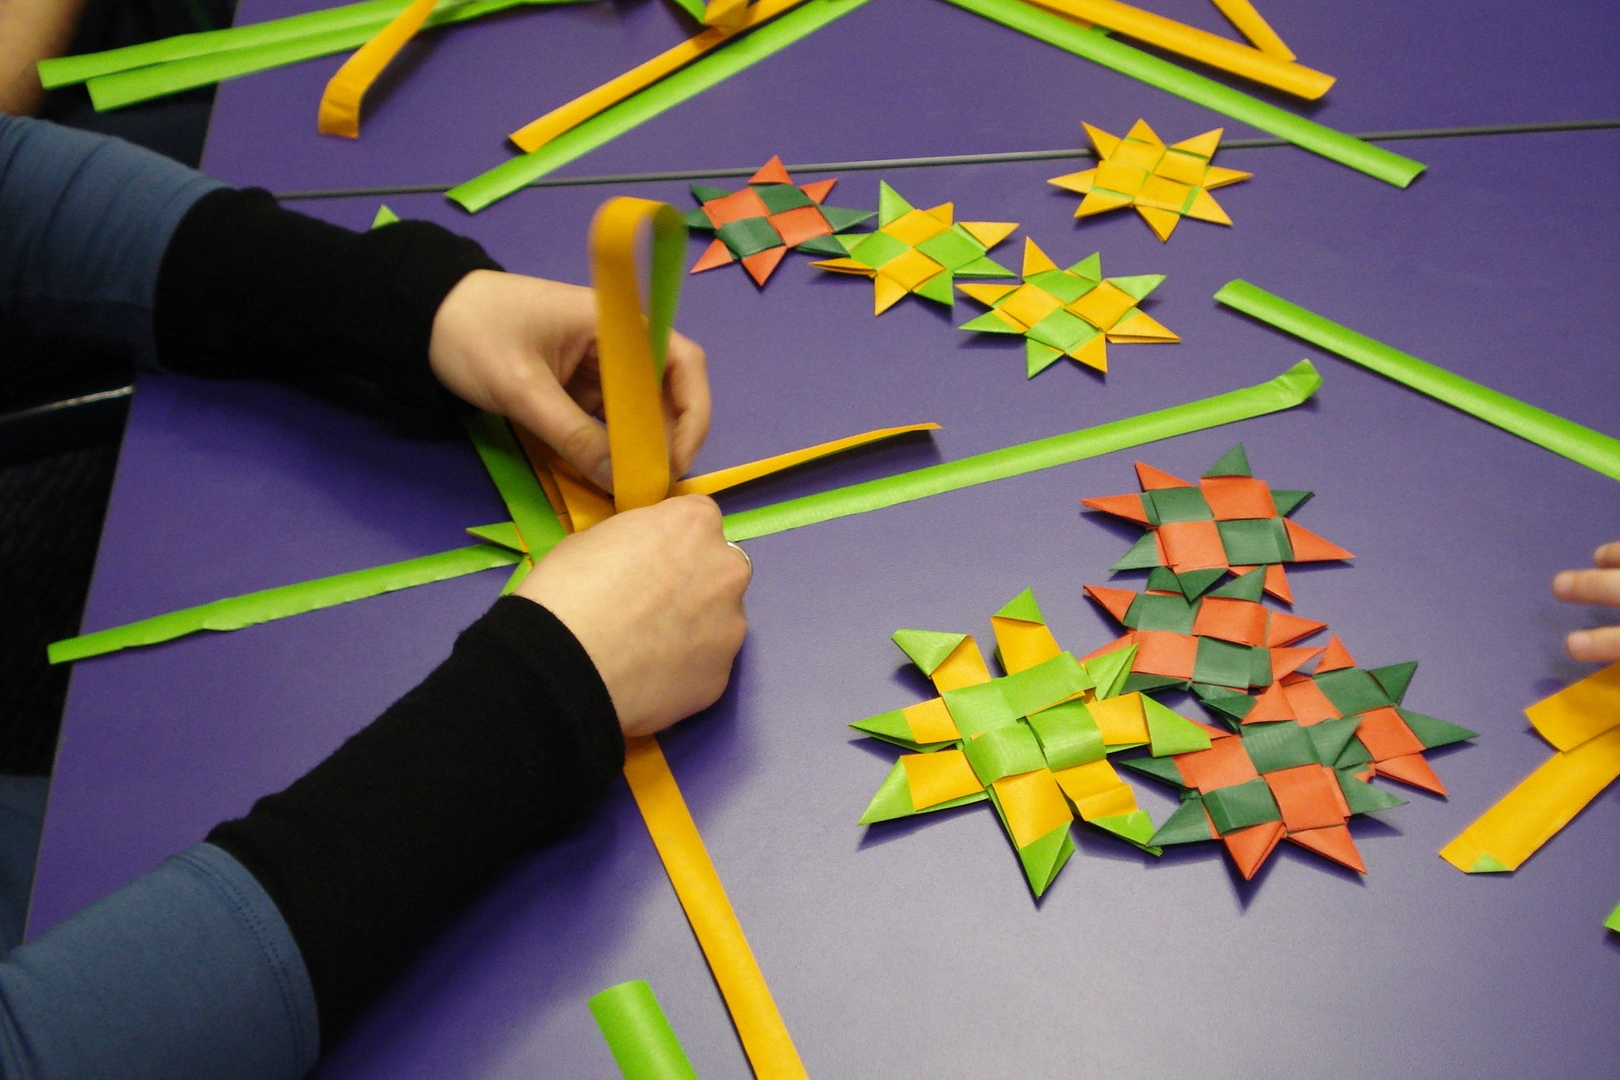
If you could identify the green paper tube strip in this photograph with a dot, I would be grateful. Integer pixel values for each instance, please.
(537, 523)
(67, 70)
(541, 530)
(643, 1043)
(278, 603)
(637, 109)
(1284, 392)
(129, 86)
(1595, 450)
(1094, 44)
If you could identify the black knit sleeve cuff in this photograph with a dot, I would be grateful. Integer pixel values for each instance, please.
(250, 290)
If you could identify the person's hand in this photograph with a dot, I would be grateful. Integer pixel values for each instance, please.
(655, 597)
(526, 348)
(1599, 586)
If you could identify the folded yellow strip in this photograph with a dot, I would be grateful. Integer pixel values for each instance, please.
(721, 479)
(1531, 814)
(1252, 25)
(1579, 711)
(340, 102)
(534, 135)
(727, 13)
(759, 1025)
(1195, 44)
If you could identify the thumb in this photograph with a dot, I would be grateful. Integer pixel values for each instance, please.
(578, 438)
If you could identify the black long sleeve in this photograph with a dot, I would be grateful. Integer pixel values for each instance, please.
(248, 289)
(368, 854)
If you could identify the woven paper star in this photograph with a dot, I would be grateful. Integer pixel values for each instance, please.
(1305, 745)
(1034, 744)
(919, 251)
(1229, 523)
(759, 223)
(1073, 312)
(1163, 183)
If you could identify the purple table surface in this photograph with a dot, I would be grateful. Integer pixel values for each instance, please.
(966, 86)
(914, 949)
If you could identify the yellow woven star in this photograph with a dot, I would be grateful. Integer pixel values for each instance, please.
(1164, 183)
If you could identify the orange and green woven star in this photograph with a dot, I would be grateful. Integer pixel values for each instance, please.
(1164, 183)
(919, 251)
(1073, 312)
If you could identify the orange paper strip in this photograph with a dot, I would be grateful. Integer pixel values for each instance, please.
(1195, 44)
(759, 1025)
(721, 479)
(340, 101)
(532, 136)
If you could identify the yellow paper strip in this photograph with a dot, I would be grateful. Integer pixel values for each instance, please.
(1252, 25)
(1195, 44)
(721, 479)
(630, 344)
(1579, 711)
(532, 136)
(727, 13)
(759, 1025)
(340, 102)
(1531, 814)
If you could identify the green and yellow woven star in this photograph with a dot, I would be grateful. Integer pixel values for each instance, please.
(1073, 312)
(919, 251)
(1164, 183)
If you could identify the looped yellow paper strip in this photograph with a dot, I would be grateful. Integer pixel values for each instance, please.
(340, 102)
(631, 347)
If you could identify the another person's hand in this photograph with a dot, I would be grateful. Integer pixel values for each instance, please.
(1599, 586)
(656, 598)
(526, 348)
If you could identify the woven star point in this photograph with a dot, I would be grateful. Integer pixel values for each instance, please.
(1164, 183)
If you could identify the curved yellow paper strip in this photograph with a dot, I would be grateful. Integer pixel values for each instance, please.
(1252, 25)
(759, 1025)
(340, 101)
(721, 479)
(1195, 44)
(1531, 814)
(535, 134)
(631, 344)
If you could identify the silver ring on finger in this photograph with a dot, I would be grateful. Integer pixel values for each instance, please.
(738, 549)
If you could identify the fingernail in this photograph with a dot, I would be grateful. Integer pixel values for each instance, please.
(1578, 641)
(1564, 582)
(603, 475)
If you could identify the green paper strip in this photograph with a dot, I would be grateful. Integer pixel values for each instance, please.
(277, 47)
(1094, 44)
(1283, 392)
(268, 604)
(633, 111)
(1613, 921)
(1595, 450)
(639, 1035)
(508, 466)
(541, 530)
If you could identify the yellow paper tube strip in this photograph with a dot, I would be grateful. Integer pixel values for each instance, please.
(759, 1025)
(1532, 813)
(1252, 25)
(1579, 711)
(631, 345)
(721, 479)
(1197, 44)
(730, 14)
(534, 135)
(340, 102)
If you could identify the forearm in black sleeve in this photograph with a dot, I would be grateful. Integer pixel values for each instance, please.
(498, 749)
(249, 289)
